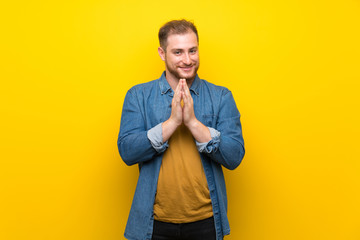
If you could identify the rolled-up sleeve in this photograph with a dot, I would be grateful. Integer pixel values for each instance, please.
(133, 143)
(212, 145)
(155, 136)
(227, 148)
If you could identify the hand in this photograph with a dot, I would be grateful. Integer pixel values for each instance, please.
(188, 114)
(176, 117)
(176, 110)
(199, 131)
(184, 114)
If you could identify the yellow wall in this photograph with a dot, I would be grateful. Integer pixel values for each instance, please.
(293, 67)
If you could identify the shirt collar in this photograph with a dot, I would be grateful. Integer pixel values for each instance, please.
(165, 87)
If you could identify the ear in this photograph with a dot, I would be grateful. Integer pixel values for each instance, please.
(161, 53)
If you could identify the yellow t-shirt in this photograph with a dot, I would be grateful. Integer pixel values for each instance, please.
(182, 191)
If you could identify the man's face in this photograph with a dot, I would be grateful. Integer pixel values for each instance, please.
(181, 56)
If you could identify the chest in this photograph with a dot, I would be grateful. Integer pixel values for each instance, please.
(157, 109)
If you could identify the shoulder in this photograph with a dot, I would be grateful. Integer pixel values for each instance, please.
(144, 88)
(216, 89)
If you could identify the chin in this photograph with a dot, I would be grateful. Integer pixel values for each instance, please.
(188, 75)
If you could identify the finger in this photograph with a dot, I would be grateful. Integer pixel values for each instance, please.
(182, 81)
(177, 94)
(185, 86)
(187, 92)
(178, 87)
(181, 86)
(188, 100)
(186, 89)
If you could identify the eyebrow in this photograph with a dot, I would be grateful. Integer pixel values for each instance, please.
(181, 49)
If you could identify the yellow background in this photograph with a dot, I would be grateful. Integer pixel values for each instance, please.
(293, 68)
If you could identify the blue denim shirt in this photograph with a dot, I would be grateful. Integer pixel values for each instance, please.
(146, 107)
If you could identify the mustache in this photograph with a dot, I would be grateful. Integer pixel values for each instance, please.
(190, 65)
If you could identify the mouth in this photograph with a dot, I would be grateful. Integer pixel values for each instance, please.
(186, 69)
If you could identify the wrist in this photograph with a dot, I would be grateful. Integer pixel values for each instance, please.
(173, 123)
(193, 124)
(168, 128)
(200, 132)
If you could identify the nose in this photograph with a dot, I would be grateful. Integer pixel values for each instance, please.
(186, 59)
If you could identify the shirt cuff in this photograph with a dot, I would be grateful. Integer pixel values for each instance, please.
(212, 145)
(155, 136)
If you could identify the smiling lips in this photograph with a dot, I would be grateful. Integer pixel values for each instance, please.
(188, 68)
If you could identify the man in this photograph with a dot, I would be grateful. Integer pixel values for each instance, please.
(180, 130)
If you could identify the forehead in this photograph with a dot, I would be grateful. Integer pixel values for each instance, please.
(182, 41)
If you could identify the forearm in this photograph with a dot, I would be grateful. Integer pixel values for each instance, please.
(227, 147)
(168, 128)
(133, 142)
(199, 131)
(135, 148)
(228, 151)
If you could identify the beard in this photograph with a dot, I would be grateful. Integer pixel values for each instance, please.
(178, 73)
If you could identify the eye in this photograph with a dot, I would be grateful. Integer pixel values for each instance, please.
(192, 51)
